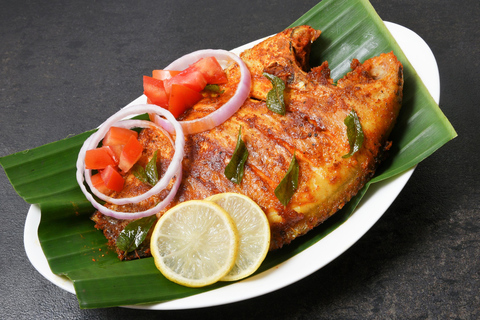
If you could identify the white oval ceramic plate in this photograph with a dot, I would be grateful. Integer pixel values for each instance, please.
(372, 207)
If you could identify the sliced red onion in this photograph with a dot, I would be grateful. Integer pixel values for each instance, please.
(224, 112)
(174, 169)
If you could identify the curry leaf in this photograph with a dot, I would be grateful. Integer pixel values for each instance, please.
(235, 168)
(134, 233)
(214, 88)
(151, 170)
(149, 174)
(354, 133)
(139, 173)
(275, 98)
(289, 184)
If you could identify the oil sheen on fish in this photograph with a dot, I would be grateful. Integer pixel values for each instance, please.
(313, 129)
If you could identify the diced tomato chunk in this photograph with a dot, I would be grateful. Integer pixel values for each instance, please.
(117, 152)
(132, 151)
(154, 89)
(210, 69)
(164, 74)
(188, 78)
(112, 179)
(113, 153)
(182, 98)
(98, 184)
(118, 136)
(99, 158)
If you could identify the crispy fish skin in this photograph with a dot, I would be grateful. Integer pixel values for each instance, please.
(313, 129)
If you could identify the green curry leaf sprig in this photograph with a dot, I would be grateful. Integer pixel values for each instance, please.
(135, 233)
(235, 168)
(275, 97)
(289, 184)
(149, 174)
(354, 133)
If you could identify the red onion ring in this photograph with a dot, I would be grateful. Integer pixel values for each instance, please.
(174, 169)
(224, 112)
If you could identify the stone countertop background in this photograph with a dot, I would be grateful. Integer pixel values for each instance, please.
(66, 63)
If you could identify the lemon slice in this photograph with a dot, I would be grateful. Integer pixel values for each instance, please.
(254, 231)
(195, 243)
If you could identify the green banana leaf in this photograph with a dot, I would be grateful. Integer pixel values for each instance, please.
(74, 248)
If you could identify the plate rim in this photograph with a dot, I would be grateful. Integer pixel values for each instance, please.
(365, 216)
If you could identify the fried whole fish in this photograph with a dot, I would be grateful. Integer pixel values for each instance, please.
(313, 129)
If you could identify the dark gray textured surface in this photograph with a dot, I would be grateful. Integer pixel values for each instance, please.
(64, 64)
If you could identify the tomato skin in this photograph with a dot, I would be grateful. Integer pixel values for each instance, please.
(188, 78)
(112, 179)
(132, 151)
(99, 158)
(118, 136)
(182, 98)
(164, 74)
(154, 89)
(211, 70)
(98, 183)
